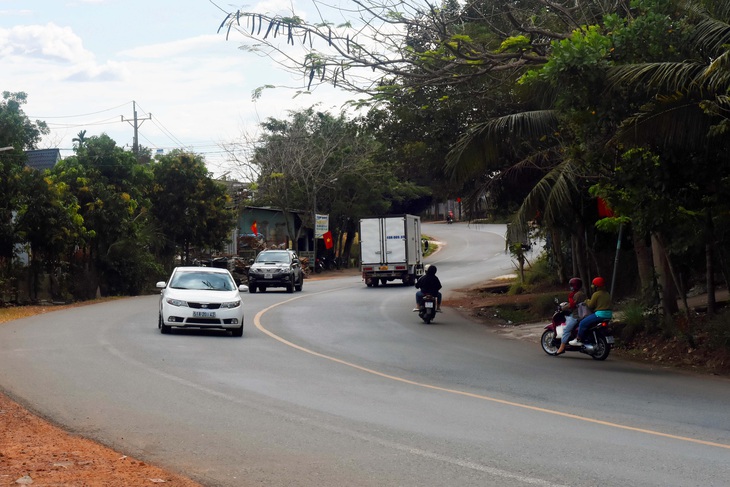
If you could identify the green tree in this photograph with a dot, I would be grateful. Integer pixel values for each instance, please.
(49, 223)
(191, 210)
(684, 123)
(419, 44)
(20, 133)
(112, 192)
(565, 142)
(315, 160)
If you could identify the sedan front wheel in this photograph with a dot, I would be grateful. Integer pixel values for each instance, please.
(164, 329)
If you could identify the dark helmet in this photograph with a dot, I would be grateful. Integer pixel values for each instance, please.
(575, 283)
(599, 282)
(431, 271)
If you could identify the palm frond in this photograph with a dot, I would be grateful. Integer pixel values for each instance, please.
(662, 77)
(711, 36)
(486, 146)
(552, 196)
(671, 121)
(716, 78)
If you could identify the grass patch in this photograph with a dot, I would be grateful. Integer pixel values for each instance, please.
(512, 315)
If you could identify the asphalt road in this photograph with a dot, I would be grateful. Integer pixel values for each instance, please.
(342, 385)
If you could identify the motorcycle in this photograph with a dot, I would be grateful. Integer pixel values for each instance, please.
(449, 219)
(427, 309)
(597, 343)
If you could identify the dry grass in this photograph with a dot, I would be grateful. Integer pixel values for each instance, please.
(10, 313)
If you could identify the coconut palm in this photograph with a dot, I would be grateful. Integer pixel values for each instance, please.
(688, 113)
(529, 145)
(80, 139)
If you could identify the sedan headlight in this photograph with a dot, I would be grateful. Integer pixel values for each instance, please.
(232, 304)
(176, 302)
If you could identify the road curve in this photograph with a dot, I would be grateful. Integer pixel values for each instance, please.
(343, 385)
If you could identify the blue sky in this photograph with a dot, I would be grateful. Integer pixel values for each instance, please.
(83, 62)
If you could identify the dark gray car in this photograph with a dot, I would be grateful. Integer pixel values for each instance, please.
(275, 268)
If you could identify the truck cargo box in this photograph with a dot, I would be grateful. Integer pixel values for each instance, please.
(390, 249)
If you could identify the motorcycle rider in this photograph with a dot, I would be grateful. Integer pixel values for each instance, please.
(428, 284)
(600, 304)
(575, 297)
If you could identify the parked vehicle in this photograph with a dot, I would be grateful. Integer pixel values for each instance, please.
(597, 343)
(275, 268)
(427, 309)
(390, 249)
(201, 297)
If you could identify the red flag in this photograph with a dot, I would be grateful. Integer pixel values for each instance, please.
(254, 228)
(604, 210)
(327, 236)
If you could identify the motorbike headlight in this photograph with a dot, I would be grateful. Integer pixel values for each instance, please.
(176, 302)
(232, 304)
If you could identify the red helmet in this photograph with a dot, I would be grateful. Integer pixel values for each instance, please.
(575, 283)
(599, 282)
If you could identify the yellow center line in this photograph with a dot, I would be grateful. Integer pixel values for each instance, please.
(257, 322)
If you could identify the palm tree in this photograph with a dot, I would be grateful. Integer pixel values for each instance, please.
(690, 113)
(512, 146)
(80, 139)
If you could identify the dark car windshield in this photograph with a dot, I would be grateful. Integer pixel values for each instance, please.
(273, 257)
(207, 281)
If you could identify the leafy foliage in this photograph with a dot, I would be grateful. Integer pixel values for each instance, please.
(188, 208)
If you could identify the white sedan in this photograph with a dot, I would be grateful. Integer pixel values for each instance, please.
(201, 297)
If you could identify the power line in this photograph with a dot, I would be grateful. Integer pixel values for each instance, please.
(81, 115)
(137, 123)
(164, 129)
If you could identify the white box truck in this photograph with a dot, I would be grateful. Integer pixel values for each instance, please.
(390, 249)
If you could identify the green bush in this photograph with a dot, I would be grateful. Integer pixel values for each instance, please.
(543, 305)
(512, 315)
(516, 288)
(633, 319)
(718, 332)
(539, 272)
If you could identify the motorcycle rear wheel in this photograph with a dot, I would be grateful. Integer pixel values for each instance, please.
(548, 342)
(601, 349)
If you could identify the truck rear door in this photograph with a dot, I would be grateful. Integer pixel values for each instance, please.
(394, 231)
(371, 246)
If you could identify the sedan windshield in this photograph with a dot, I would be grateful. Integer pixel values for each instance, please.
(271, 257)
(207, 281)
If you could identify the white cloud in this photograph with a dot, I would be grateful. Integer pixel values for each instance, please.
(174, 48)
(49, 42)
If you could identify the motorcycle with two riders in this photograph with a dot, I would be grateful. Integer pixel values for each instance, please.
(597, 342)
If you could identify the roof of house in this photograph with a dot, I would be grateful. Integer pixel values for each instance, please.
(42, 159)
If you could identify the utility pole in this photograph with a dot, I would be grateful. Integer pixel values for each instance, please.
(136, 122)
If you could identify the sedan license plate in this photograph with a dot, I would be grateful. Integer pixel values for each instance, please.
(268, 275)
(203, 314)
(428, 304)
(609, 340)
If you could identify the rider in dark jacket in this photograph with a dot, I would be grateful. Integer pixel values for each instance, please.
(428, 284)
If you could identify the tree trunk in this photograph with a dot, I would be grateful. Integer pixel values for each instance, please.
(710, 263)
(351, 230)
(645, 268)
(581, 258)
(667, 290)
(557, 239)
